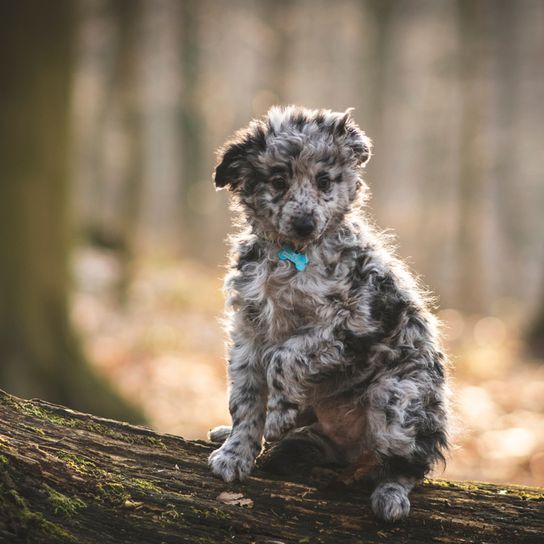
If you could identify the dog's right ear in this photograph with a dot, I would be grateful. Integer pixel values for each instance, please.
(230, 155)
(235, 156)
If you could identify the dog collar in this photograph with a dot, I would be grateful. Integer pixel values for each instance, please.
(287, 253)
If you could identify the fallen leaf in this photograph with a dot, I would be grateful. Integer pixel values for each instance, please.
(237, 499)
(132, 504)
(347, 522)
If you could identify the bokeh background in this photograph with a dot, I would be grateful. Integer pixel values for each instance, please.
(112, 238)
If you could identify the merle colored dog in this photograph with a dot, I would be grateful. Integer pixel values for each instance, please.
(327, 328)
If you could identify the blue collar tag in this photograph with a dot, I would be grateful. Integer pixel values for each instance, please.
(298, 259)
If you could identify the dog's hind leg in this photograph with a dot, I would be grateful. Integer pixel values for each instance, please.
(406, 429)
(300, 451)
(389, 500)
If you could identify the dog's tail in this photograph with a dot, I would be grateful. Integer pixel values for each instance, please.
(219, 434)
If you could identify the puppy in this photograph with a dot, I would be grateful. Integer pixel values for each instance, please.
(327, 328)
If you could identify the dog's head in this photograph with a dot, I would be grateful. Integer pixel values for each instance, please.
(295, 172)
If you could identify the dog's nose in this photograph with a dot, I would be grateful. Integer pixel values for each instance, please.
(304, 225)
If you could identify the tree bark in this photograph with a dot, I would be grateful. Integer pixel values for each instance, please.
(71, 477)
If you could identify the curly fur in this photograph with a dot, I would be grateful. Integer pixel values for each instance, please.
(349, 340)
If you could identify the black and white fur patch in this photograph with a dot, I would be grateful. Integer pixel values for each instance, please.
(345, 354)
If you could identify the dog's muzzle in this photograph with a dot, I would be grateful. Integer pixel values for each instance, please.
(304, 225)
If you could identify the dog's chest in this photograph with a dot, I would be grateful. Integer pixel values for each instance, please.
(286, 301)
(295, 299)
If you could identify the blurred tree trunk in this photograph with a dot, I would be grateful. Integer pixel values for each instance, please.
(535, 335)
(471, 183)
(125, 106)
(114, 195)
(509, 188)
(39, 354)
(381, 12)
(277, 14)
(192, 123)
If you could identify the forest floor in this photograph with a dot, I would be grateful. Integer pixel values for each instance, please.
(163, 348)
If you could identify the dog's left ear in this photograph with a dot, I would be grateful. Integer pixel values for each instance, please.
(235, 155)
(359, 143)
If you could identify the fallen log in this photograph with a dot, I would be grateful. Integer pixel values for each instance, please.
(70, 477)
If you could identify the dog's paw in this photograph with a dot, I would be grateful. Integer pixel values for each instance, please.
(219, 434)
(278, 423)
(230, 464)
(390, 502)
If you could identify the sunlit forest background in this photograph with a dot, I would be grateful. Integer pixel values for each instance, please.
(112, 238)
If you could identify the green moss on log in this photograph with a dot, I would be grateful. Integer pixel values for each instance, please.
(23, 520)
(61, 504)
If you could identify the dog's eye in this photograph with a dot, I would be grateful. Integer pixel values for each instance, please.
(279, 184)
(323, 182)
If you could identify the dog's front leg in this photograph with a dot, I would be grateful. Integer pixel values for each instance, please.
(290, 369)
(234, 460)
(287, 369)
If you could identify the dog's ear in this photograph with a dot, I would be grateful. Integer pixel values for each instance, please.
(230, 156)
(236, 154)
(359, 143)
